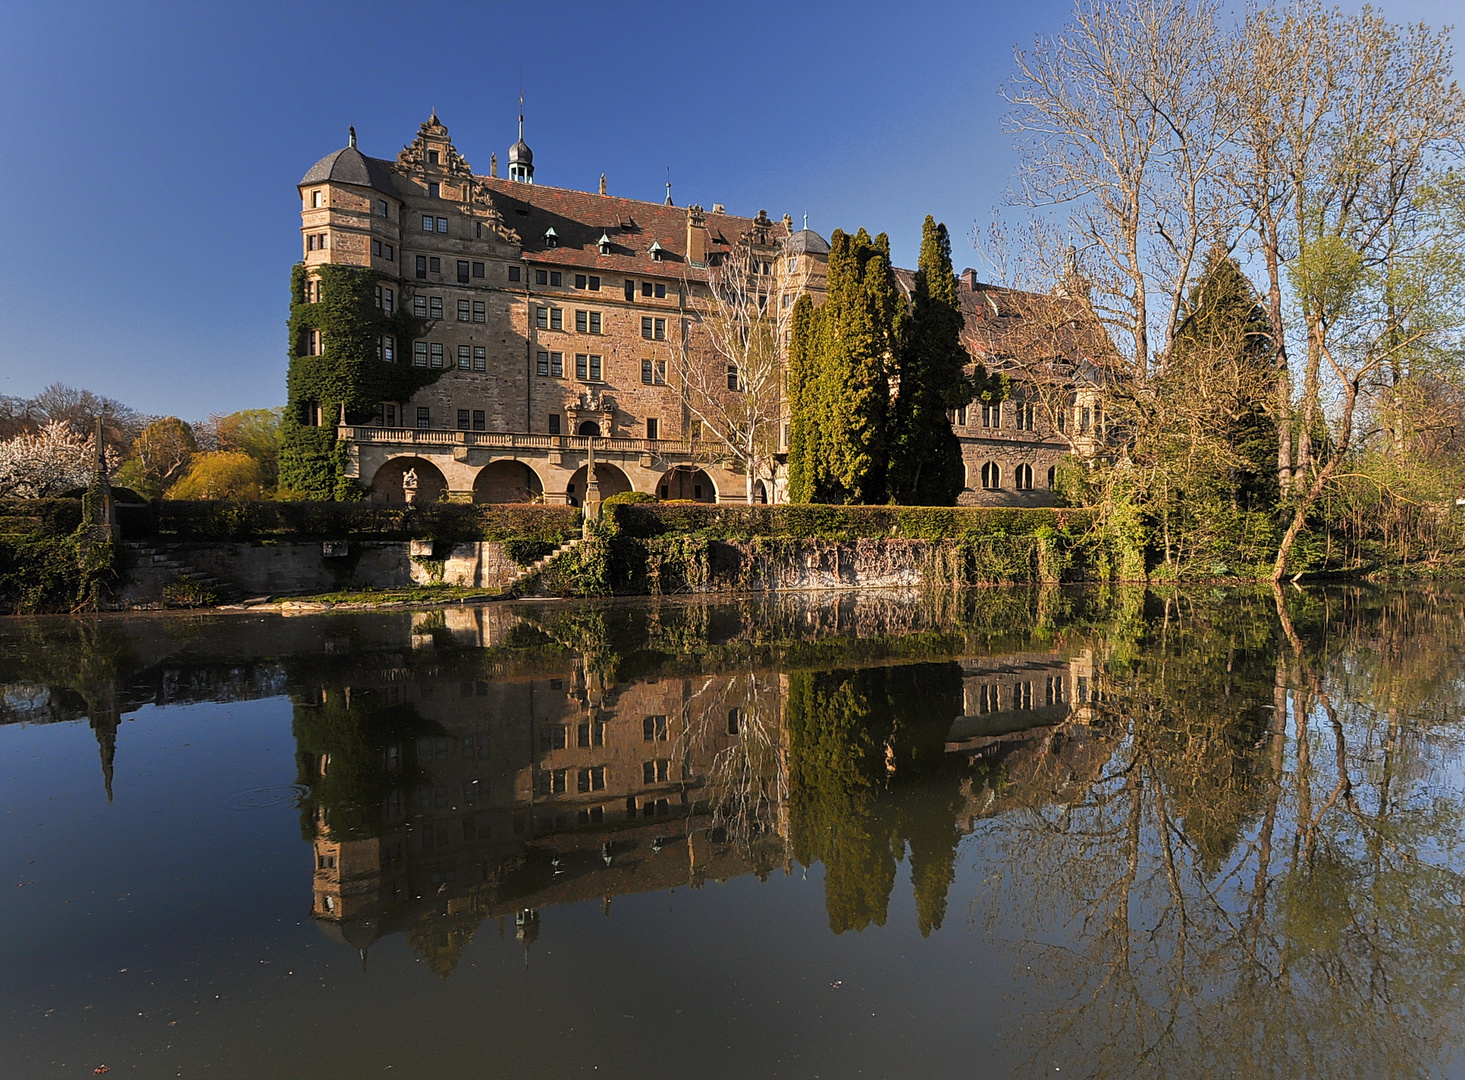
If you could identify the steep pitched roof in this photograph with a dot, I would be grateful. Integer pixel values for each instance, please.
(999, 324)
(580, 218)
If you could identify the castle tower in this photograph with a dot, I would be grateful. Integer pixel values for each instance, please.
(521, 158)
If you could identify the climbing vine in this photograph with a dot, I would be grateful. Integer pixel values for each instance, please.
(347, 371)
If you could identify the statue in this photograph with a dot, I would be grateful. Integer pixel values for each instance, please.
(409, 486)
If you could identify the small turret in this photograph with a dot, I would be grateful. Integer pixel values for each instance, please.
(521, 158)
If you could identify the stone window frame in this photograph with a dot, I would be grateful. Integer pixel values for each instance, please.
(991, 476)
(480, 358)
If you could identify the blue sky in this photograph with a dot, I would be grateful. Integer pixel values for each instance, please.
(152, 150)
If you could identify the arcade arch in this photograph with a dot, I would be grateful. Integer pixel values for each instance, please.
(687, 482)
(507, 482)
(386, 485)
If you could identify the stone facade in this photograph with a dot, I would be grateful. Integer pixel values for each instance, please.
(554, 317)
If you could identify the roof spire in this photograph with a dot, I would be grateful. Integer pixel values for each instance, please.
(806, 219)
(351, 131)
(668, 186)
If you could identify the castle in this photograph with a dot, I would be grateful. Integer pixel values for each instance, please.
(518, 332)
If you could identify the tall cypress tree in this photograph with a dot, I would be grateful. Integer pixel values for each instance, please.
(840, 377)
(925, 461)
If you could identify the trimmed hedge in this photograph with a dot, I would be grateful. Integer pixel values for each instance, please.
(452, 522)
(810, 521)
(39, 517)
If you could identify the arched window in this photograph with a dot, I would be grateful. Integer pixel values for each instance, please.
(588, 427)
(1052, 476)
(991, 476)
(1024, 478)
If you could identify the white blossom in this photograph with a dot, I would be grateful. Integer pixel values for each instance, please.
(45, 463)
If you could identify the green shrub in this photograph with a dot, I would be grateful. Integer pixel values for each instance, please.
(40, 517)
(821, 522)
(625, 497)
(525, 551)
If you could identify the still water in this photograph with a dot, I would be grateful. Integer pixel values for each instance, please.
(1005, 834)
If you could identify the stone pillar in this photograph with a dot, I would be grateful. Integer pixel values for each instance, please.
(592, 487)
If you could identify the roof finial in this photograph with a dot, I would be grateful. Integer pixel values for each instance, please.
(806, 219)
(521, 104)
(668, 186)
(352, 132)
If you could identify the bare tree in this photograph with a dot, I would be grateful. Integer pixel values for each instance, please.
(731, 356)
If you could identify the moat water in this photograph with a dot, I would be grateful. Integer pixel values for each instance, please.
(998, 834)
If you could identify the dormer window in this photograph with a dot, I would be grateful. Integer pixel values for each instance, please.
(432, 157)
(550, 238)
(434, 190)
(655, 250)
(604, 243)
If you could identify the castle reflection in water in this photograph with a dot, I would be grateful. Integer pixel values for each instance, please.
(441, 793)
(485, 763)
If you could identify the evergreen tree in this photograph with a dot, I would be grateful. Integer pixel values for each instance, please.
(925, 457)
(841, 392)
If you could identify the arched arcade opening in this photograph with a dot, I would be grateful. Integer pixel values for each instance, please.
(386, 485)
(687, 482)
(611, 480)
(507, 482)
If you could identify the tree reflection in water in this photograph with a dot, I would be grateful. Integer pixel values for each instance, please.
(1264, 881)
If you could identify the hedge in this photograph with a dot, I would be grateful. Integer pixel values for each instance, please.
(39, 517)
(223, 520)
(809, 521)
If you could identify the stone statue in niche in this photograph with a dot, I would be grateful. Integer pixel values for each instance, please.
(409, 486)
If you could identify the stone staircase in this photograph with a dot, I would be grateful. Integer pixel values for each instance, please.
(147, 556)
(525, 578)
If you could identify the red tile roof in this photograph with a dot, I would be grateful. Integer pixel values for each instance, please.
(579, 218)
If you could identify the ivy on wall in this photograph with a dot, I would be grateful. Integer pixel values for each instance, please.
(347, 372)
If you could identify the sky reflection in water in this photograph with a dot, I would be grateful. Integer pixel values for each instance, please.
(998, 834)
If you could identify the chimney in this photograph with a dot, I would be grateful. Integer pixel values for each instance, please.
(602, 183)
(493, 164)
(696, 236)
(969, 279)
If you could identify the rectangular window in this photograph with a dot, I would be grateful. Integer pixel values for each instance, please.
(435, 354)
(434, 189)
(656, 772)
(594, 368)
(480, 358)
(378, 296)
(557, 364)
(582, 322)
(647, 289)
(376, 248)
(554, 423)
(1085, 420)
(435, 303)
(648, 327)
(422, 266)
(434, 264)
(419, 354)
(630, 290)
(465, 358)
(556, 318)
(661, 373)
(463, 271)
(310, 241)
(595, 324)
(555, 277)
(389, 349)
(660, 329)
(478, 269)
(594, 283)
(442, 225)
(647, 372)
(1062, 415)
(424, 416)
(419, 306)
(463, 311)
(541, 277)
(513, 273)
(387, 299)
(541, 364)
(391, 254)
(541, 318)
(381, 208)
(579, 281)
(464, 419)
(653, 428)
(428, 224)
(582, 366)
(389, 414)
(732, 377)
(480, 311)
(480, 420)
(660, 290)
